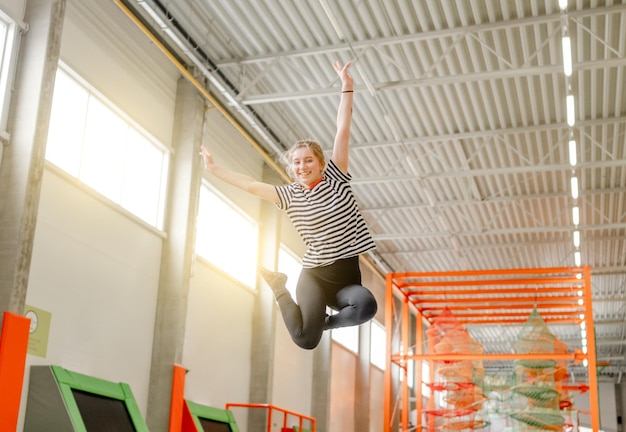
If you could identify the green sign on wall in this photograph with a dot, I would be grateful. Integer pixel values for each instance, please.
(39, 330)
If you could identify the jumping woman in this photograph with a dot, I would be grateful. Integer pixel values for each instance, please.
(321, 205)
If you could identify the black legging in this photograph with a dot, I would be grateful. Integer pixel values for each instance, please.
(338, 286)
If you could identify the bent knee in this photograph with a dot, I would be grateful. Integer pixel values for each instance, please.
(307, 340)
(369, 308)
(307, 343)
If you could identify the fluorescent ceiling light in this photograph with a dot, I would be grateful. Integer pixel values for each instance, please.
(576, 241)
(563, 4)
(567, 55)
(569, 103)
(574, 183)
(573, 157)
(576, 215)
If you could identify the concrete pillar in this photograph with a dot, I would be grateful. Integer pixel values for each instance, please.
(320, 399)
(265, 312)
(23, 158)
(177, 255)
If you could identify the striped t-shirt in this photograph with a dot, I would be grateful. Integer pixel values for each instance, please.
(327, 218)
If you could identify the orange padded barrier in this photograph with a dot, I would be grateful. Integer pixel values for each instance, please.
(13, 348)
(181, 419)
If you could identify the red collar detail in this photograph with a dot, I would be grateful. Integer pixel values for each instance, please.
(315, 184)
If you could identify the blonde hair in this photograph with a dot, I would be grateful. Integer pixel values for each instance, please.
(313, 146)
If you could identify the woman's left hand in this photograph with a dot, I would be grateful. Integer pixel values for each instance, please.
(346, 78)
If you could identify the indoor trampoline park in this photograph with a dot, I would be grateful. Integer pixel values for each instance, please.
(312, 215)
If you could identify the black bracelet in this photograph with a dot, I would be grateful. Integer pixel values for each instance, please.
(347, 91)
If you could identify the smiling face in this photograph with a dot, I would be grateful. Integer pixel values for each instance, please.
(306, 166)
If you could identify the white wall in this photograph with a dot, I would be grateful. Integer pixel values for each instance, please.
(342, 389)
(96, 271)
(13, 8)
(607, 406)
(292, 374)
(377, 417)
(218, 335)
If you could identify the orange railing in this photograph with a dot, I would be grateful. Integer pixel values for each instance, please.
(271, 408)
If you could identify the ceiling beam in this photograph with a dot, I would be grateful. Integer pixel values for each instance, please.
(503, 231)
(495, 199)
(515, 245)
(486, 76)
(422, 36)
(461, 172)
(488, 134)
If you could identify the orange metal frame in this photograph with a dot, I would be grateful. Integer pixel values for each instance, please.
(273, 408)
(498, 297)
(13, 350)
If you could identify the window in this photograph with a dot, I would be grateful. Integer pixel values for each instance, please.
(8, 48)
(425, 378)
(226, 237)
(347, 336)
(93, 141)
(289, 264)
(378, 345)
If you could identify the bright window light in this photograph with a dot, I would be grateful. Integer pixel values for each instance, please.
(567, 55)
(289, 263)
(145, 164)
(347, 336)
(67, 124)
(410, 371)
(90, 139)
(9, 39)
(103, 150)
(571, 115)
(425, 379)
(378, 345)
(226, 237)
(573, 157)
(574, 184)
(576, 215)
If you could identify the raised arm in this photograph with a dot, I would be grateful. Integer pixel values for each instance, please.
(344, 117)
(240, 181)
